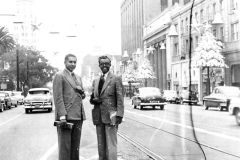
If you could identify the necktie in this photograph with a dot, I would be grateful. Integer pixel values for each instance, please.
(101, 82)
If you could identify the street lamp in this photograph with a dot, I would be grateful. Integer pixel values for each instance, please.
(17, 57)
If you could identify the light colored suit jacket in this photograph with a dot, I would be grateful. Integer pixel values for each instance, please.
(112, 99)
(67, 101)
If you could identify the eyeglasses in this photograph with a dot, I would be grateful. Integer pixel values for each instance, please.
(105, 64)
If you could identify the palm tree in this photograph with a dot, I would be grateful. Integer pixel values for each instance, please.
(7, 42)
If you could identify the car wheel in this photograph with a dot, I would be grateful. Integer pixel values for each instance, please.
(50, 110)
(153, 107)
(2, 108)
(162, 107)
(134, 106)
(141, 107)
(237, 116)
(26, 111)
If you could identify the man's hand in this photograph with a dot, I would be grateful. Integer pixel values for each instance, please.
(95, 101)
(118, 120)
(63, 123)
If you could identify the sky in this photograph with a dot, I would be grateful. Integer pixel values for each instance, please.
(95, 23)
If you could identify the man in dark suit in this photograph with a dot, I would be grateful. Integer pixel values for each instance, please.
(108, 101)
(68, 94)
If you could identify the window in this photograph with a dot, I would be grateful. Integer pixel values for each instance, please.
(215, 32)
(196, 40)
(186, 47)
(196, 16)
(175, 1)
(182, 28)
(186, 1)
(164, 4)
(201, 16)
(221, 34)
(186, 25)
(214, 9)
(207, 13)
(234, 31)
(176, 50)
(234, 4)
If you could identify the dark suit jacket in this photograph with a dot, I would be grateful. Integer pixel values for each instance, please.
(112, 99)
(66, 100)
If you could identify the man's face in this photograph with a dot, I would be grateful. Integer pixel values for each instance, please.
(105, 65)
(70, 63)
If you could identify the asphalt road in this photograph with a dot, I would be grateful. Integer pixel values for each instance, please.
(168, 133)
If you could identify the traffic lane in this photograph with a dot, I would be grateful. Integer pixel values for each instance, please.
(8, 114)
(179, 127)
(27, 137)
(167, 145)
(212, 120)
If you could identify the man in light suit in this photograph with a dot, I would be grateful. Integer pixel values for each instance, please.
(68, 94)
(107, 114)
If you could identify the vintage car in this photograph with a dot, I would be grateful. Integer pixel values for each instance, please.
(7, 100)
(221, 97)
(12, 99)
(38, 99)
(188, 97)
(171, 96)
(17, 97)
(234, 108)
(148, 96)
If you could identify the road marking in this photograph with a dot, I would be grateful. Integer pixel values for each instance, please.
(1, 124)
(49, 152)
(187, 126)
(53, 149)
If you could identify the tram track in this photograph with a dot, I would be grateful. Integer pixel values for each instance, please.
(155, 156)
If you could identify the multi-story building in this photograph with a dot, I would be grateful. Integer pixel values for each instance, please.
(25, 23)
(175, 53)
(169, 54)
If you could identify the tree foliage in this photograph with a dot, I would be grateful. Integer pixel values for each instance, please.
(34, 69)
(208, 52)
(130, 73)
(145, 69)
(7, 42)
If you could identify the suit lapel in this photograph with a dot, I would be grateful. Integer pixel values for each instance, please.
(69, 78)
(106, 82)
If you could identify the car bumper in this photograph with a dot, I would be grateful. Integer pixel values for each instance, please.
(38, 106)
(152, 104)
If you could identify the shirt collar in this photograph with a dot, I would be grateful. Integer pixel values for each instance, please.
(106, 74)
(69, 72)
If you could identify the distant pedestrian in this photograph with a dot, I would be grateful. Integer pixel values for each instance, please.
(107, 98)
(68, 94)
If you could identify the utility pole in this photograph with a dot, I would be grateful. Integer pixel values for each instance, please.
(17, 52)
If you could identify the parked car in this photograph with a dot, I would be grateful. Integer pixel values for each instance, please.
(38, 99)
(7, 100)
(188, 97)
(17, 97)
(171, 96)
(13, 100)
(2, 103)
(221, 97)
(148, 96)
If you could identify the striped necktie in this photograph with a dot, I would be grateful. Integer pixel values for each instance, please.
(101, 82)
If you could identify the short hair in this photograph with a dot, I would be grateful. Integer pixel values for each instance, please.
(103, 57)
(69, 55)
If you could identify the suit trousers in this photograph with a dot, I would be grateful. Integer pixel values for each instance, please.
(69, 141)
(107, 141)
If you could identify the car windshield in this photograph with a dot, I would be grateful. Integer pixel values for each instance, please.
(149, 91)
(230, 91)
(2, 94)
(16, 93)
(169, 92)
(38, 92)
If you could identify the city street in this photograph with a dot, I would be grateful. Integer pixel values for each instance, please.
(167, 133)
